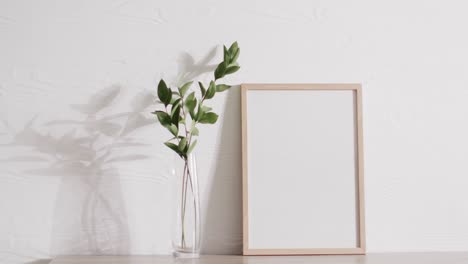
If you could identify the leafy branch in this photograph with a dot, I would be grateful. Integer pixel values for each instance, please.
(183, 111)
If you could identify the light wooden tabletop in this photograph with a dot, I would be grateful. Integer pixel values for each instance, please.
(394, 258)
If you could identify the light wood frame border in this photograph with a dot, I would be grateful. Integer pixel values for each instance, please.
(360, 168)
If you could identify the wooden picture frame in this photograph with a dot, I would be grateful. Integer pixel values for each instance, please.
(260, 240)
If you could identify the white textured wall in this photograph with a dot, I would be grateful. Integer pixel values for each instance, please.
(77, 76)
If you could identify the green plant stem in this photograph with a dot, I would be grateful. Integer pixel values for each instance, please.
(183, 203)
(195, 208)
(185, 173)
(186, 180)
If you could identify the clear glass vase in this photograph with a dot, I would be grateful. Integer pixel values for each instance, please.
(186, 229)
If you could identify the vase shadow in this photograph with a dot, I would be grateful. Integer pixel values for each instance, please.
(222, 228)
(89, 215)
(90, 200)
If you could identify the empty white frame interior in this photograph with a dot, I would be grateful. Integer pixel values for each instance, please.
(301, 170)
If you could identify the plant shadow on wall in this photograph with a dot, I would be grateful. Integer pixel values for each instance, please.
(90, 215)
(189, 69)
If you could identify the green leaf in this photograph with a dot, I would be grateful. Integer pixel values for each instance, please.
(202, 88)
(173, 99)
(169, 98)
(209, 118)
(232, 69)
(162, 90)
(195, 131)
(173, 129)
(220, 70)
(190, 97)
(182, 144)
(184, 88)
(201, 111)
(175, 103)
(190, 100)
(226, 54)
(235, 56)
(222, 87)
(191, 103)
(174, 147)
(164, 93)
(163, 118)
(206, 108)
(192, 146)
(176, 116)
(211, 90)
(234, 47)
